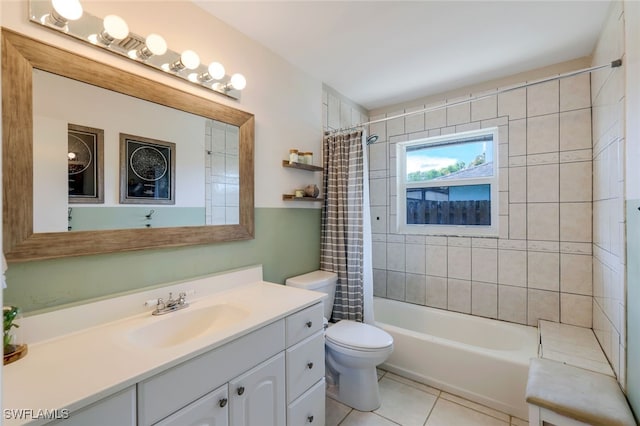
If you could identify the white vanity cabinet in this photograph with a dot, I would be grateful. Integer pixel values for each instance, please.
(262, 378)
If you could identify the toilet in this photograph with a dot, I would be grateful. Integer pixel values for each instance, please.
(353, 350)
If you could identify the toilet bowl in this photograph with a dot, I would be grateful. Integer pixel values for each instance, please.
(353, 350)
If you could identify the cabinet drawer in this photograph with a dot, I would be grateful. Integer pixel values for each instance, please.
(167, 392)
(305, 365)
(309, 408)
(212, 409)
(304, 323)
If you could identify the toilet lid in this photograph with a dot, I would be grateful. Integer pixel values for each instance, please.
(358, 335)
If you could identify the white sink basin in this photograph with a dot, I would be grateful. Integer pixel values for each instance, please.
(179, 327)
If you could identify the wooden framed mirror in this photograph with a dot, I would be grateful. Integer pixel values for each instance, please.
(20, 57)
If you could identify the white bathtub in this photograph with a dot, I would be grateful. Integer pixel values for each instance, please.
(483, 360)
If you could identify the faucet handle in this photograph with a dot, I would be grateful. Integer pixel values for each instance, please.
(182, 298)
(160, 305)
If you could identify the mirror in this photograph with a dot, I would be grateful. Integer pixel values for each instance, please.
(91, 164)
(21, 58)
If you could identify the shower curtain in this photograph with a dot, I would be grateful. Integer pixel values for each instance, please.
(343, 223)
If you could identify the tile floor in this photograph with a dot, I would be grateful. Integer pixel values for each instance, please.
(408, 403)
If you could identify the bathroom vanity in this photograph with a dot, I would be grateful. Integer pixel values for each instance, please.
(244, 352)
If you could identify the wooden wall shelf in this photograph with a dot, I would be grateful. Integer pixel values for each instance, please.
(300, 166)
(291, 197)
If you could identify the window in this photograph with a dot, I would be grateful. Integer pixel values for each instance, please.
(448, 185)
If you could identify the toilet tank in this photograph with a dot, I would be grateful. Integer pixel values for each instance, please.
(322, 281)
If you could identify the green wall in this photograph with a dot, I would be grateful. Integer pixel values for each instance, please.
(287, 243)
(633, 305)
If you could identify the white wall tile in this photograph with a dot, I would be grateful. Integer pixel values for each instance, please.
(484, 299)
(333, 111)
(542, 305)
(543, 221)
(436, 292)
(575, 181)
(512, 304)
(517, 137)
(414, 122)
(459, 262)
(484, 109)
(575, 222)
(436, 260)
(416, 287)
(459, 114)
(575, 310)
(395, 126)
(459, 295)
(518, 221)
(542, 183)
(543, 270)
(543, 98)
(512, 267)
(576, 274)
(435, 119)
(575, 92)
(396, 285)
(484, 265)
(575, 130)
(378, 192)
(517, 184)
(513, 104)
(415, 258)
(378, 155)
(543, 134)
(395, 256)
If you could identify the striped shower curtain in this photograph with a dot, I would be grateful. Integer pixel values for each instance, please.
(342, 221)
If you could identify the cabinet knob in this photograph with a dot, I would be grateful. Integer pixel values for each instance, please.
(310, 419)
(240, 390)
(222, 402)
(309, 324)
(310, 365)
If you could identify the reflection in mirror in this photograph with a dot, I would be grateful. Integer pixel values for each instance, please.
(206, 176)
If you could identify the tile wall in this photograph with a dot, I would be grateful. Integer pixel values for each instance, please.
(339, 112)
(541, 266)
(608, 97)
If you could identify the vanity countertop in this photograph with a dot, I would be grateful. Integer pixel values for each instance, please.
(79, 368)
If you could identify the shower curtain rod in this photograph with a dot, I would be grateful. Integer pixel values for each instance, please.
(614, 64)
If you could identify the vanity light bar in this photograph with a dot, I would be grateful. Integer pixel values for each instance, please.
(112, 34)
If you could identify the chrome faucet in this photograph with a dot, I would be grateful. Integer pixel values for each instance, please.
(171, 304)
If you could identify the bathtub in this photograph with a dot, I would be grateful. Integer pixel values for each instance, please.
(483, 360)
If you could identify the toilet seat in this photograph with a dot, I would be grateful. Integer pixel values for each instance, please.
(358, 336)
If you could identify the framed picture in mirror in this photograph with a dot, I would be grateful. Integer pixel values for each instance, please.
(85, 150)
(147, 170)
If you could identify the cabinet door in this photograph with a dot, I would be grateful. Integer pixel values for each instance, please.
(118, 409)
(257, 398)
(210, 410)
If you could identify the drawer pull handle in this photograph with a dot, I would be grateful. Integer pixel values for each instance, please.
(222, 402)
(309, 324)
(310, 365)
(240, 390)
(310, 419)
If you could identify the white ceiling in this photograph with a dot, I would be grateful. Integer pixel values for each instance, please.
(379, 53)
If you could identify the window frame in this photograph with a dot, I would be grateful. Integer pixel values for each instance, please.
(446, 230)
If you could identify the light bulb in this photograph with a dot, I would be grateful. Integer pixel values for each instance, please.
(68, 9)
(153, 45)
(116, 27)
(216, 70)
(238, 81)
(156, 44)
(190, 59)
